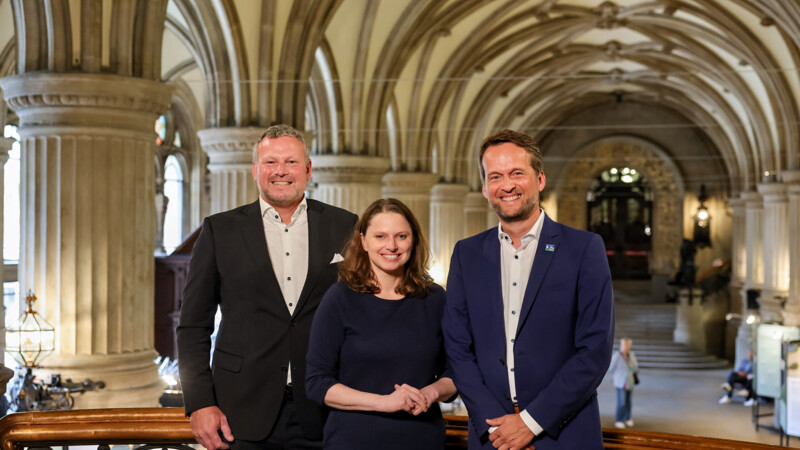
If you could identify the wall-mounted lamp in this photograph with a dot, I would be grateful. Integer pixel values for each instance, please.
(750, 319)
(702, 221)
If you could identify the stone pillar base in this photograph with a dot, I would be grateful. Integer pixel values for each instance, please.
(131, 379)
(771, 305)
(744, 340)
(689, 319)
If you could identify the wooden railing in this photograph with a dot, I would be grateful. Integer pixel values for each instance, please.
(168, 427)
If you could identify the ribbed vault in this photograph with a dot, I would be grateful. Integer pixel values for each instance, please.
(451, 71)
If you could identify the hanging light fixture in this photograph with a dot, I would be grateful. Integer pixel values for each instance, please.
(702, 221)
(31, 338)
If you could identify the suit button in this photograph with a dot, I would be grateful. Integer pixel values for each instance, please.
(293, 324)
(507, 396)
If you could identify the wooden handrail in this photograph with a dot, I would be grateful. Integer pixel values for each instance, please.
(170, 426)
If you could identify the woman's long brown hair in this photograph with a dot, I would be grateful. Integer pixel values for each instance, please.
(356, 270)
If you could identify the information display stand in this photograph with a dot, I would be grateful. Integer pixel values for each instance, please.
(767, 373)
(790, 394)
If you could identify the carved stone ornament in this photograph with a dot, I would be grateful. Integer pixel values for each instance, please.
(116, 101)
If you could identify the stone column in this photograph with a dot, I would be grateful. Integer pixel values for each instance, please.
(413, 189)
(447, 225)
(775, 223)
(739, 241)
(347, 181)
(87, 189)
(230, 165)
(476, 208)
(791, 313)
(754, 256)
(744, 335)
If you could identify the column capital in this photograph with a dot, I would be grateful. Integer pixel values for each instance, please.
(85, 100)
(446, 192)
(737, 203)
(752, 199)
(408, 182)
(791, 176)
(348, 168)
(773, 192)
(229, 148)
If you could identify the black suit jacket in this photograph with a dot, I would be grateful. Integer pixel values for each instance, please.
(257, 337)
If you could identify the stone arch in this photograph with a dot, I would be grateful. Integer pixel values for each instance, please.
(659, 171)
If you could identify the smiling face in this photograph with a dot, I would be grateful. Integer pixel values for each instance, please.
(389, 242)
(281, 171)
(512, 186)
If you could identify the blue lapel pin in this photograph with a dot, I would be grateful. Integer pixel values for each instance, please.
(549, 247)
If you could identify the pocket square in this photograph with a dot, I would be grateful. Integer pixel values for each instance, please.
(336, 258)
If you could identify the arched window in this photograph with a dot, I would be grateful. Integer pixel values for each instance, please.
(173, 191)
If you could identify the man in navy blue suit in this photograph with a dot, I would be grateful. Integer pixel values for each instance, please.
(529, 321)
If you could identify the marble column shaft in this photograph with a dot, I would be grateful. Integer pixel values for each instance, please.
(413, 189)
(744, 334)
(447, 224)
(348, 181)
(230, 164)
(754, 257)
(791, 313)
(775, 228)
(739, 241)
(476, 208)
(87, 189)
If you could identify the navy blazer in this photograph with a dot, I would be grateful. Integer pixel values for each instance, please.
(563, 343)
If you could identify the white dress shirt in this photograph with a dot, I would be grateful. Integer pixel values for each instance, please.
(515, 270)
(288, 252)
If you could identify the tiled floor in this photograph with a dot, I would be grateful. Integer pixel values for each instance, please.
(686, 402)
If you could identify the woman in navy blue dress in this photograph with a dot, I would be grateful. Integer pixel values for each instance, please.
(376, 355)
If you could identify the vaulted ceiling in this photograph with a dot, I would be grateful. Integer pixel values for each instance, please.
(421, 82)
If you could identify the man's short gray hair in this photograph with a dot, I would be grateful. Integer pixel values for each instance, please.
(277, 131)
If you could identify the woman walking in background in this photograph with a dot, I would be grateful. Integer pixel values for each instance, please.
(623, 368)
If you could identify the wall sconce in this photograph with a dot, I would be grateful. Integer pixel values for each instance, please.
(702, 221)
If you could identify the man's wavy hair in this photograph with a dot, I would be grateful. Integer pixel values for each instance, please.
(522, 140)
(356, 270)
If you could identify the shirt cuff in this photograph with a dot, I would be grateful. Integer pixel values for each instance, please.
(530, 423)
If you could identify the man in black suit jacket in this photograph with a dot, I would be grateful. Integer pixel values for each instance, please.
(266, 265)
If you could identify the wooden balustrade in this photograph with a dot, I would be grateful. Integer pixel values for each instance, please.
(170, 428)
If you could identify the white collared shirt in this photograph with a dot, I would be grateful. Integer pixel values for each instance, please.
(288, 252)
(515, 271)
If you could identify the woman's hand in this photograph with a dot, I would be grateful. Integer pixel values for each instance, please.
(431, 395)
(404, 398)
